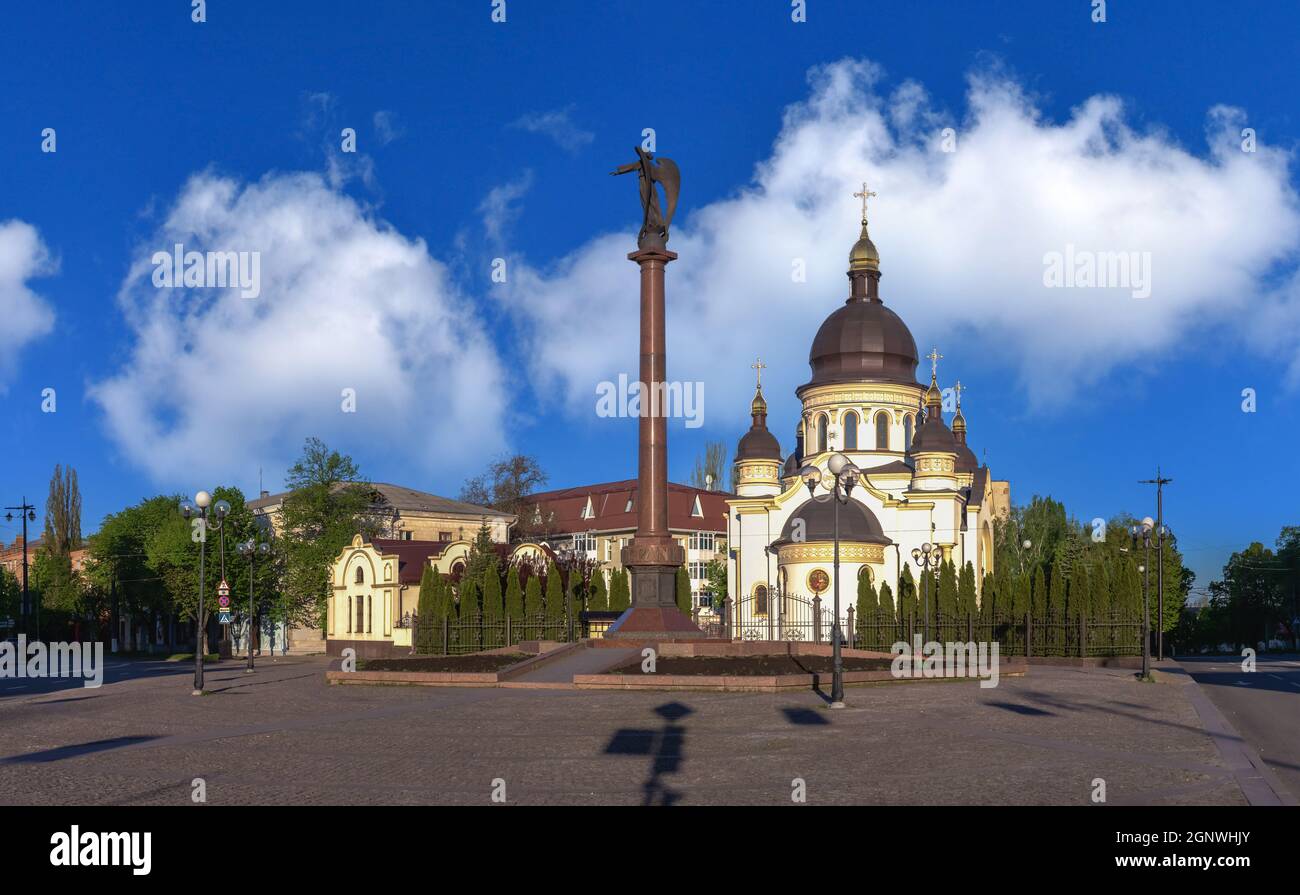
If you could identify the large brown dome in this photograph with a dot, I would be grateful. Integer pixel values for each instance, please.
(863, 340)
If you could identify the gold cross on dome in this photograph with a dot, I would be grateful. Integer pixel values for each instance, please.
(958, 388)
(864, 195)
(759, 367)
(934, 357)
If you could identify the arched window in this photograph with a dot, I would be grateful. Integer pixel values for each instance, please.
(361, 575)
(907, 432)
(821, 433)
(760, 600)
(361, 615)
(850, 431)
(882, 431)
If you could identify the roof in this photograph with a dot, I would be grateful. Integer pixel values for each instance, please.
(402, 498)
(412, 556)
(857, 524)
(609, 503)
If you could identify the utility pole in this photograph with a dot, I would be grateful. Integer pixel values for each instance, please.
(1159, 481)
(25, 511)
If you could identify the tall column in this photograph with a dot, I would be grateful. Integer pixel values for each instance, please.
(652, 556)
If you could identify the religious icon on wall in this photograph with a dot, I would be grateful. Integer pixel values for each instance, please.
(818, 581)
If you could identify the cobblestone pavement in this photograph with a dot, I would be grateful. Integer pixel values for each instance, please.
(283, 736)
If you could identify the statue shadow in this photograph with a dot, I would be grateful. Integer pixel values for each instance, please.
(664, 748)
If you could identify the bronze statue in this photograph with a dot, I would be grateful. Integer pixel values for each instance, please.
(654, 227)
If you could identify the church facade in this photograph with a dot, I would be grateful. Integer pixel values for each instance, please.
(920, 481)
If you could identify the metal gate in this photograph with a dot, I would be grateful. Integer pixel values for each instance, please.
(778, 616)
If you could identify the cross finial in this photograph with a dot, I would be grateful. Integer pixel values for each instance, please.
(864, 195)
(759, 367)
(934, 357)
(958, 388)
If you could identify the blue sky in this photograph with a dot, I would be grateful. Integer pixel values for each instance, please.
(478, 140)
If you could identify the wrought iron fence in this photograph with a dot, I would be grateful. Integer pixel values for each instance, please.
(790, 617)
(474, 632)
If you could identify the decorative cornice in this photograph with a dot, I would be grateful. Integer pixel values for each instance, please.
(818, 551)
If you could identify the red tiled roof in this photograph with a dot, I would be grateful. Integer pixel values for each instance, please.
(609, 502)
(412, 556)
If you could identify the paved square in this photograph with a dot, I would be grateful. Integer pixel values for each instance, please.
(283, 736)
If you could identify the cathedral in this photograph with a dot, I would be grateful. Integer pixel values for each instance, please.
(920, 482)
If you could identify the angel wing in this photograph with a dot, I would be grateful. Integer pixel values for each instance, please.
(666, 173)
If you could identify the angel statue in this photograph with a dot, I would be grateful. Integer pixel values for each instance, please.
(654, 228)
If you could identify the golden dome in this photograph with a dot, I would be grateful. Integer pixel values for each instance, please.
(959, 422)
(758, 405)
(864, 255)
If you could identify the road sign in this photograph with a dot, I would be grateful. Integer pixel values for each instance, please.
(223, 589)
(224, 617)
(223, 601)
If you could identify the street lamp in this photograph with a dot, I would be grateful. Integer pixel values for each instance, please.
(1144, 532)
(926, 557)
(27, 513)
(207, 515)
(251, 548)
(839, 481)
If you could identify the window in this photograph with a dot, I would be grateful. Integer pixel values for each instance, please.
(444, 536)
(704, 600)
(702, 540)
(850, 431)
(588, 510)
(360, 576)
(628, 508)
(609, 549)
(349, 614)
(882, 431)
(698, 570)
(361, 615)
(696, 509)
(821, 433)
(407, 535)
(370, 613)
(907, 432)
(760, 600)
(584, 543)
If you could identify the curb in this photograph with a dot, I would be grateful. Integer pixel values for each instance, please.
(1256, 780)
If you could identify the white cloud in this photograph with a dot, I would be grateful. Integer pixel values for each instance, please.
(962, 238)
(217, 385)
(557, 125)
(26, 315)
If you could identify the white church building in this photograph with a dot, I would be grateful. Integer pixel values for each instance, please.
(920, 482)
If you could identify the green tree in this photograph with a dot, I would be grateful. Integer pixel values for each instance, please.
(716, 573)
(533, 597)
(868, 600)
(426, 627)
(619, 591)
(597, 598)
(907, 596)
(684, 591)
(966, 591)
(988, 596)
(1038, 596)
(468, 604)
(947, 601)
(1057, 594)
(555, 609)
(327, 505)
(886, 598)
(490, 589)
(514, 594)
(712, 463)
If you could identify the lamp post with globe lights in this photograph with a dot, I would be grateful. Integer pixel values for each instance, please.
(1143, 531)
(840, 480)
(251, 549)
(927, 558)
(204, 514)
